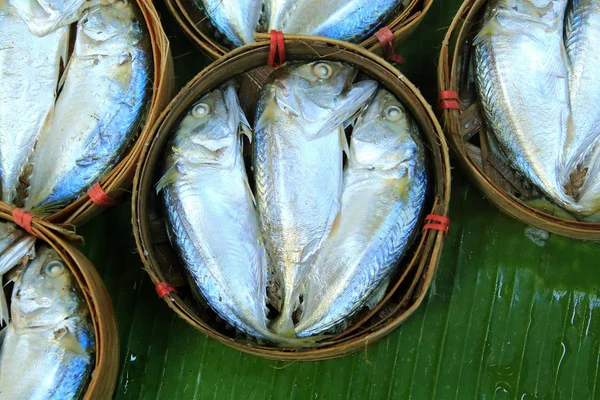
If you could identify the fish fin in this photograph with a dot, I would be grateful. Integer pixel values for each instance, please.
(335, 227)
(233, 104)
(249, 190)
(69, 342)
(378, 295)
(344, 141)
(166, 179)
(4, 315)
(66, 60)
(490, 29)
(266, 117)
(3, 334)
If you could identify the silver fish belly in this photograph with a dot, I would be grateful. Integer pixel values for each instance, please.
(89, 134)
(385, 184)
(349, 20)
(210, 213)
(582, 34)
(29, 73)
(237, 20)
(47, 350)
(522, 80)
(298, 166)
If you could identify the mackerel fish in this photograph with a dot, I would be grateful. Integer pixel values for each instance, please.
(102, 102)
(236, 19)
(299, 138)
(211, 218)
(348, 20)
(522, 80)
(385, 185)
(582, 34)
(29, 75)
(47, 350)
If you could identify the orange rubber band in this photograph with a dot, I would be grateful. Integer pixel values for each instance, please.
(386, 38)
(277, 48)
(164, 288)
(100, 198)
(437, 223)
(23, 219)
(449, 99)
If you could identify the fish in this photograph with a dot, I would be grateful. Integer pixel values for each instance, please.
(15, 246)
(29, 72)
(45, 16)
(236, 19)
(48, 348)
(297, 164)
(582, 33)
(348, 20)
(522, 81)
(90, 133)
(385, 185)
(210, 213)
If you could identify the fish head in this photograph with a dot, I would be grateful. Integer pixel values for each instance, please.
(108, 29)
(44, 294)
(383, 135)
(209, 133)
(320, 95)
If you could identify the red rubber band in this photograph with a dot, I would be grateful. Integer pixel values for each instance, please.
(386, 38)
(437, 223)
(449, 99)
(100, 198)
(164, 288)
(23, 219)
(276, 49)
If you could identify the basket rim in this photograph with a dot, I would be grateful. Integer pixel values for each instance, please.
(170, 116)
(103, 379)
(401, 26)
(448, 73)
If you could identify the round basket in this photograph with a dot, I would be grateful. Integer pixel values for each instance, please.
(247, 67)
(197, 26)
(104, 376)
(468, 135)
(120, 177)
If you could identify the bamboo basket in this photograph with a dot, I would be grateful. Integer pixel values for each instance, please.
(119, 179)
(104, 376)
(468, 135)
(196, 25)
(247, 67)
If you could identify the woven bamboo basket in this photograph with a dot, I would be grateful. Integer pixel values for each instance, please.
(119, 179)
(199, 29)
(104, 376)
(467, 134)
(246, 67)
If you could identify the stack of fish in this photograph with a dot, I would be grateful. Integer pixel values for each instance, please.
(538, 79)
(313, 242)
(349, 20)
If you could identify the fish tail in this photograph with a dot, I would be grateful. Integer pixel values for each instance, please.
(284, 324)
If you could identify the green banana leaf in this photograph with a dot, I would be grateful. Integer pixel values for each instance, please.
(508, 317)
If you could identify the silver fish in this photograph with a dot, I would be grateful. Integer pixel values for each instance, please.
(236, 19)
(210, 212)
(522, 79)
(47, 350)
(385, 184)
(299, 139)
(29, 74)
(15, 245)
(350, 20)
(582, 34)
(89, 134)
(45, 16)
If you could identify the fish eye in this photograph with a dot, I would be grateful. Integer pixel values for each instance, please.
(322, 70)
(120, 4)
(393, 113)
(55, 269)
(200, 110)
